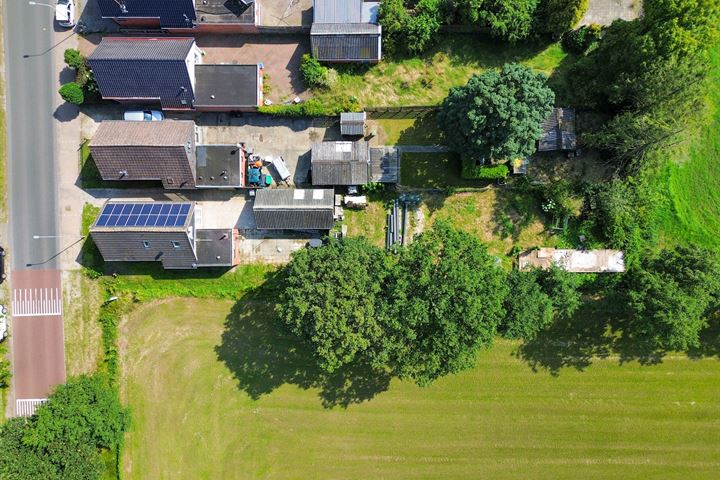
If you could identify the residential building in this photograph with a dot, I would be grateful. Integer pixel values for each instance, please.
(577, 261)
(169, 72)
(222, 16)
(558, 131)
(346, 31)
(294, 209)
(142, 231)
(347, 163)
(166, 151)
(132, 151)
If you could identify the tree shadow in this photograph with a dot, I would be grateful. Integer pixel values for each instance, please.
(561, 82)
(424, 131)
(263, 356)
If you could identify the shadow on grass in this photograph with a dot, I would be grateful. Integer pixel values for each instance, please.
(263, 356)
(424, 131)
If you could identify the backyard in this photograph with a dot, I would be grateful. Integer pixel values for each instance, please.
(250, 404)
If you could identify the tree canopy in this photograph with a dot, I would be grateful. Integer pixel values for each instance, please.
(446, 303)
(528, 309)
(559, 16)
(669, 295)
(497, 115)
(332, 299)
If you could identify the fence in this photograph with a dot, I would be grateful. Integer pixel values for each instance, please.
(400, 112)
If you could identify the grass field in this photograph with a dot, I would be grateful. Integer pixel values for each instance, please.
(693, 179)
(426, 80)
(214, 401)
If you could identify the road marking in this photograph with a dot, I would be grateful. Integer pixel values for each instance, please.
(27, 406)
(36, 302)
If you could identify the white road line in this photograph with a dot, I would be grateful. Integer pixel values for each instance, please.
(33, 302)
(27, 406)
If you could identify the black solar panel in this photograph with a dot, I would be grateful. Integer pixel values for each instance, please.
(143, 215)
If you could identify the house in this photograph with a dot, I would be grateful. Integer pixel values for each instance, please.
(294, 209)
(221, 16)
(577, 261)
(558, 131)
(143, 231)
(352, 124)
(169, 72)
(162, 151)
(347, 163)
(346, 31)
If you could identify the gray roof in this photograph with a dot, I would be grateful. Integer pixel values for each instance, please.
(337, 11)
(214, 247)
(224, 11)
(345, 47)
(172, 13)
(345, 29)
(558, 131)
(340, 163)
(227, 85)
(294, 209)
(219, 166)
(352, 123)
(384, 164)
(144, 68)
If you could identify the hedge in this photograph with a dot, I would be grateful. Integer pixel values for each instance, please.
(313, 108)
(470, 171)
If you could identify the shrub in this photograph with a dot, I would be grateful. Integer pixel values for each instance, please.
(579, 41)
(313, 73)
(558, 16)
(72, 93)
(471, 171)
(74, 59)
(314, 107)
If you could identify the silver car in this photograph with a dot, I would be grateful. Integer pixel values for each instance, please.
(143, 116)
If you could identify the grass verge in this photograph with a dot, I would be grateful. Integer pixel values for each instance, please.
(244, 406)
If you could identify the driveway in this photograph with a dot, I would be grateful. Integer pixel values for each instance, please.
(279, 54)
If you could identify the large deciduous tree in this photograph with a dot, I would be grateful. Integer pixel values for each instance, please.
(509, 20)
(528, 309)
(332, 299)
(670, 294)
(561, 287)
(446, 303)
(497, 115)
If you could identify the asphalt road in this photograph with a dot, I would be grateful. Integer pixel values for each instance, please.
(38, 355)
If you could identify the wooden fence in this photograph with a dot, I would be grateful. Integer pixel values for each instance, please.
(400, 112)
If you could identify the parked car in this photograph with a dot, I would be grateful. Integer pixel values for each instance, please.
(143, 116)
(65, 13)
(3, 275)
(3, 322)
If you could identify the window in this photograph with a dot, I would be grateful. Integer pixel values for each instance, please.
(146, 244)
(175, 244)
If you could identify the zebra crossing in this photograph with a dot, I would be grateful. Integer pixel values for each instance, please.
(27, 406)
(36, 302)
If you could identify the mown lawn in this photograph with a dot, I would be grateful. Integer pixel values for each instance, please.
(216, 391)
(426, 80)
(434, 170)
(693, 178)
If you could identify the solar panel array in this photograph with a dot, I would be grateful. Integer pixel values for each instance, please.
(119, 215)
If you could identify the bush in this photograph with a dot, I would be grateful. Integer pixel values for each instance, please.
(559, 16)
(471, 171)
(74, 59)
(313, 73)
(314, 107)
(579, 41)
(72, 93)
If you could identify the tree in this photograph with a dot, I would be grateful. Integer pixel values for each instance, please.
(405, 33)
(509, 20)
(497, 115)
(527, 308)
(395, 20)
(561, 287)
(85, 410)
(74, 59)
(423, 27)
(579, 41)
(669, 296)
(332, 299)
(559, 16)
(72, 93)
(446, 300)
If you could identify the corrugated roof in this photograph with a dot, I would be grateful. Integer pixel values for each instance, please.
(340, 163)
(294, 209)
(352, 123)
(147, 68)
(346, 47)
(384, 164)
(345, 29)
(172, 13)
(337, 11)
(558, 131)
(166, 133)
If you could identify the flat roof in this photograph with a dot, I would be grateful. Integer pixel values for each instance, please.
(219, 166)
(226, 85)
(577, 261)
(214, 247)
(224, 11)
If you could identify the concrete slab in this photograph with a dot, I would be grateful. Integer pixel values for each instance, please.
(285, 13)
(604, 12)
